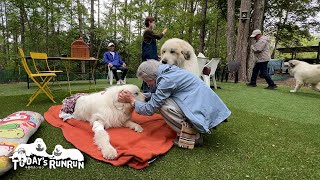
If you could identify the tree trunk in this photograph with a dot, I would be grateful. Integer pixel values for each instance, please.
(98, 13)
(242, 41)
(125, 30)
(3, 27)
(7, 32)
(79, 10)
(276, 35)
(184, 19)
(129, 36)
(191, 16)
(231, 31)
(52, 36)
(203, 25)
(92, 29)
(115, 19)
(256, 23)
(22, 21)
(47, 25)
(216, 42)
(140, 21)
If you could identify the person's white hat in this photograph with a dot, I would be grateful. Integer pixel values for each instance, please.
(255, 33)
(110, 44)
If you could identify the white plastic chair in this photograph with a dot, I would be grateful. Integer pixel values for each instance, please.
(110, 75)
(202, 61)
(213, 64)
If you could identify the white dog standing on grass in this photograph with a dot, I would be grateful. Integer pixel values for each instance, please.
(180, 53)
(304, 73)
(103, 111)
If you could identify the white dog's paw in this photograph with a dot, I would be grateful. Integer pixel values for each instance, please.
(109, 153)
(138, 128)
(292, 91)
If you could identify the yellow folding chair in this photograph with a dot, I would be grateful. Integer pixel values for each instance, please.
(40, 79)
(44, 57)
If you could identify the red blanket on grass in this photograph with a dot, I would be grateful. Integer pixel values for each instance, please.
(134, 149)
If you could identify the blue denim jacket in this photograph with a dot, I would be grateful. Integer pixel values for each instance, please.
(199, 103)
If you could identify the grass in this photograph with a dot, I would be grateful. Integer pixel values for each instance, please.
(270, 135)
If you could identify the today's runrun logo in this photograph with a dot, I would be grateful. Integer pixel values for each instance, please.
(34, 155)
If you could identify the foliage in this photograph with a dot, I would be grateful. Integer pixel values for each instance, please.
(52, 25)
(291, 21)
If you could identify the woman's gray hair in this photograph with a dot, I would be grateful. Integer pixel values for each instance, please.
(148, 70)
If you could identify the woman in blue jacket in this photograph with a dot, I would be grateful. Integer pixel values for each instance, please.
(114, 61)
(187, 104)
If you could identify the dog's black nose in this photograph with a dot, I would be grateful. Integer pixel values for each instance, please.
(164, 61)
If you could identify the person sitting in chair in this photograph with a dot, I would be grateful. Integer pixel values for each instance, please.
(114, 61)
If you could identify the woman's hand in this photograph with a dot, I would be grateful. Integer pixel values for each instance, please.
(126, 97)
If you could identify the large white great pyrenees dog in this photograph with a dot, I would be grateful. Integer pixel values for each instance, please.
(180, 53)
(304, 73)
(103, 111)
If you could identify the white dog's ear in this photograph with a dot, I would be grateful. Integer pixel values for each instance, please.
(293, 63)
(186, 54)
(116, 103)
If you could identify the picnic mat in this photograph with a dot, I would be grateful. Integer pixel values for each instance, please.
(134, 149)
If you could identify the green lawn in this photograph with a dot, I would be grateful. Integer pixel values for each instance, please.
(270, 135)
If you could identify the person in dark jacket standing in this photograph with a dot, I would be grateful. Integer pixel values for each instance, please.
(114, 61)
(149, 44)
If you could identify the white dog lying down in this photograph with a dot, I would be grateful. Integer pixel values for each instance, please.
(60, 153)
(103, 111)
(180, 53)
(304, 73)
(38, 148)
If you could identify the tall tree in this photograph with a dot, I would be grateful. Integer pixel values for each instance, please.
(3, 40)
(203, 25)
(79, 11)
(242, 40)
(192, 9)
(92, 28)
(115, 2)
(231, 30)
(22, 21)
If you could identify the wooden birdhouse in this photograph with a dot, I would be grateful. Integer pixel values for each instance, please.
(79, 49)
